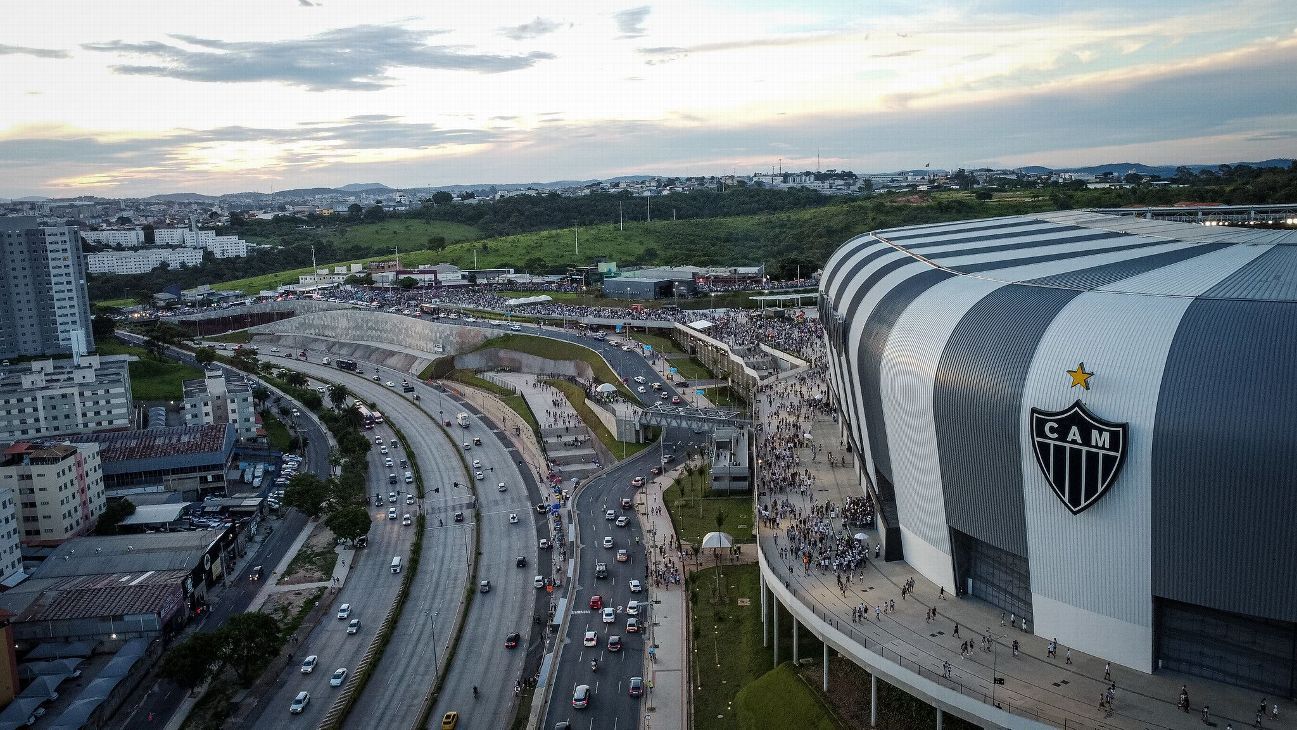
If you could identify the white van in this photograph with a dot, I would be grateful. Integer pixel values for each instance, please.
(396, 564)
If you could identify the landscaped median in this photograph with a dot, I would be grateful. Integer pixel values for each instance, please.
(695, 511)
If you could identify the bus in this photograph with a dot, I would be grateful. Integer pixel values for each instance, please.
(366, 415)
(378, 417)
(346, 365)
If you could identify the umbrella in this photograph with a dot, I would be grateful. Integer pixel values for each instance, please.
(717, 540)
(861, 536)
(606, 388)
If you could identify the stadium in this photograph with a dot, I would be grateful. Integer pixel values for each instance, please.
(1087, 420)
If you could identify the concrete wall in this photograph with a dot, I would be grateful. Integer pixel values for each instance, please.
(380, 328)
(494, 358)
(408, 361)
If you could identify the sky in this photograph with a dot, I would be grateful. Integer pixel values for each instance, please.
(128, 97)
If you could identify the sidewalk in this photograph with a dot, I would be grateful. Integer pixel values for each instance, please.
(668, 699)
(1032, 682)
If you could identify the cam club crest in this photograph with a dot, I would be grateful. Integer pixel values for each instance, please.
(1079, 453)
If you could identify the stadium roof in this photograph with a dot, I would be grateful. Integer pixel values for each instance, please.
(1093, 251)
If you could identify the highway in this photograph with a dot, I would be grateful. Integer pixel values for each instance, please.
(370, 589)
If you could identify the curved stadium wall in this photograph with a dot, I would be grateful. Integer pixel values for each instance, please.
(1086, 420)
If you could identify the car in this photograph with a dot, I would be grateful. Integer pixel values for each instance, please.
(667, 458)
(642, 389)
(406, 521)
(636, 586)
(638, 378)
(409, 499)
(513, 518)
(591, 639)
(256, 572)
(354, 626)
(622, 521)
(632, 608)
(632, 626)
(391, 513)
(596, 602)
(663, 395)
(521, 561)
(581, 697)
(450, 720)
(544, 544)
(614, 643)
(299, 703)
(376, 379)
(339, 676)
(344, 611)
(637, 482)
(467, 446)
(610, 515)
(390, 384)
(609, 615)
(607, 542)
(378, 440)
(484, 586)
(655, 470)
(636, 687)
(601, 570)
(625, 348)
(515, 328)
(626, 503)
(501, 487)
(391, 497)
(657, 386)
(383, 450)
(538, 581)
(480, 476)
(675, 400)
(511, 641)
(459, 516)
(477, 464)
(308, 664)
(623, 555)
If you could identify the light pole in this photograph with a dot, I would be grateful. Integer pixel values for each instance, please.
(995, 658)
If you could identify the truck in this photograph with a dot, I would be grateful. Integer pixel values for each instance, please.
(462, 419)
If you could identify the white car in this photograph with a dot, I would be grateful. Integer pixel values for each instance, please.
(299, 703)
(639, 379)
(480, 476)
(636, 586)
(344, 611)
(406, 520)
(591, 639)
(623, 521)
(607, 542)
(338, 677)
(477, 464)
(539, 582)
(610, 515)
(308, 665)
(632, 608)
(642, 389)
(390, 384)
(409, 499)
(609, 615)
(513, 518)
(501, 487)
(391, 515)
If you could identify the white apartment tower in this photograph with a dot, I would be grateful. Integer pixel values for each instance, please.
(43, 302)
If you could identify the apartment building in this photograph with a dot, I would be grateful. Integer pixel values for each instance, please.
(143, 260)
(43, 302)
(45, 398)
(11, 559)
(220, 399)
(60, 489)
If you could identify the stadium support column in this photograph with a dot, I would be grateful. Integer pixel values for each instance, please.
(941, 718)
(873, 700)
(795, 627)
(824, 669)
(775, 609)
(765, 616)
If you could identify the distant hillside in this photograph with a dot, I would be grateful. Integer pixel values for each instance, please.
(363, 187)
(1121, 168)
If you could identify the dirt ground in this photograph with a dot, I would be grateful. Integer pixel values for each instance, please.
(283, 605)
(314, 561)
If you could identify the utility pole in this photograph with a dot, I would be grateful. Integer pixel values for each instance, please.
(673, 214)
(648, 202)
(313, 256)
(621, 219)
(576, 237)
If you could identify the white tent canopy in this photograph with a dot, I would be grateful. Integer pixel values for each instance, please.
(528, 300)
(717, 540)
(606, 388)
(702, 325)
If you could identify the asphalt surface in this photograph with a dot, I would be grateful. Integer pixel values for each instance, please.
(370, 588)
(160, 701)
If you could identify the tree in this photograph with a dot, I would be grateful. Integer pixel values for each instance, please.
(248, 642)
(436, 243)
(355, 209)
(112, 516)
(245, 359)
(205, 356)
(294, 378)
(307, 493)
(103, 327)
(441, 197)
(375, 213)
(338, 395)
(349, 522)
(407, 282)
(260, 393)
(1132, 178)
(194, 660)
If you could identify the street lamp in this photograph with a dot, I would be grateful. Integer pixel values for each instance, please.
(995, 658)
(432, 624)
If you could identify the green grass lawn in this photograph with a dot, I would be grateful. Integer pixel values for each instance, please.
(779, 698)
(115, 303)
(409, 235)
(514, 401)
(694, 514)
(725, 396)
(559, 350)
(576, 396)
(240, 337)
(152, 379)
(664, 345)
(276, 432)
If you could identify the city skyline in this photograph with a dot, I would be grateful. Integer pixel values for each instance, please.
(297, 93)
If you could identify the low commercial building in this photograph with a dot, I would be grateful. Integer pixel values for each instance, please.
(60, 489)
(731, 465)
(220, 399)
(190, 460)
(44, 398)
(624, 287)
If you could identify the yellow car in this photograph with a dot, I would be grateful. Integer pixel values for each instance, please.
(449, 721)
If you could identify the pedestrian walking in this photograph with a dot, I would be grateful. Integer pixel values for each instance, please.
(956, 630)
(1206, 714)
(1015, 647)
(1107, 672)
(943, 593)
(1068, 659)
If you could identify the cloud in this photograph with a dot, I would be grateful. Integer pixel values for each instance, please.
(357, 58)
(532, 29)
(665, 54)
(896, 54)
(630, 23)
(8, 50)
(306, 3)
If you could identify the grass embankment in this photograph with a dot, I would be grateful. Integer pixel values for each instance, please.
(276, 432)
(152, 378)
(725, 396)
(694, 511)
(686, 368)
(781, 699)
(241, 337)
(408, 234)
(576, 396)
(114, 303)
(511, 399)
(552, 349)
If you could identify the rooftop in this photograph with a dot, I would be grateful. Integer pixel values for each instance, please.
(96, 556)
(120, 446)
(107, 595)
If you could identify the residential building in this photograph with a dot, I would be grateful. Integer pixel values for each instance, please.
(11, 559)
(43, 302)
(190, 460)
(142, 261)
(45, 398)
(129, 238)
(218, 399)
(60, 489)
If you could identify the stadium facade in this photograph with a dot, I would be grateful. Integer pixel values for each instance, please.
(1086, 420)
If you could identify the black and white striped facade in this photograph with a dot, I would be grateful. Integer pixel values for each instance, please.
(944, 338)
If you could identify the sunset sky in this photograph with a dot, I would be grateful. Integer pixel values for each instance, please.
(132, 98)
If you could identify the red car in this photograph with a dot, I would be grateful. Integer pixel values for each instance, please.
(596, 603)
